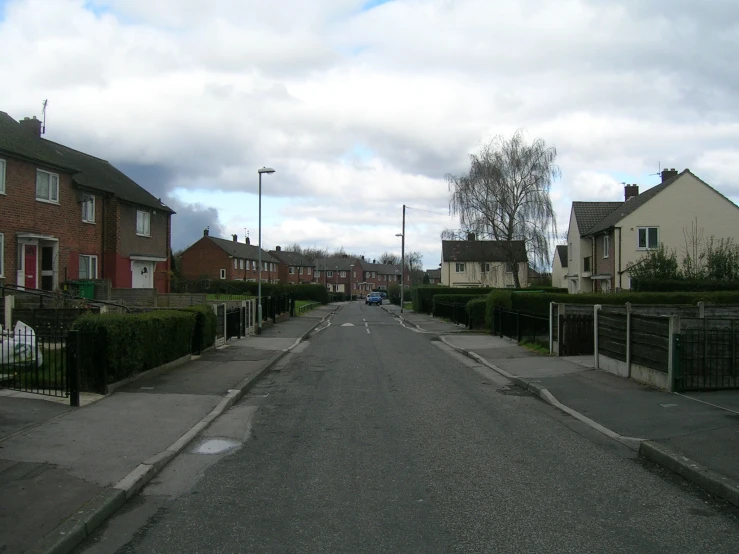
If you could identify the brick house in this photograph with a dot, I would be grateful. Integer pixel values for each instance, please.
(434, 276)
(227, 260)
(338, 273)
(378, 276)
(66, 215)
(294, 268)
(483, 263)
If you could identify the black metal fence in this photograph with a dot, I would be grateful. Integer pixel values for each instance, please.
(520, 326)
(272, 306)
(707, 356)
(45, 364)
(234, 322)
(456, 312)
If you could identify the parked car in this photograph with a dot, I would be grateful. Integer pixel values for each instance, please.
(374, 298)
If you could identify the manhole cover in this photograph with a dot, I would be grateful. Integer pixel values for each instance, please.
(216, 446)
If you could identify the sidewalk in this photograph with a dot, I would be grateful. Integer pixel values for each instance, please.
(64, 470)
(693, 434)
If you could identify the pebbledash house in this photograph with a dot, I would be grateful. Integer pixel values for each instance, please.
(66, 215)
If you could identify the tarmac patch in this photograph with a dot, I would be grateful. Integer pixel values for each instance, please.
(216, 446)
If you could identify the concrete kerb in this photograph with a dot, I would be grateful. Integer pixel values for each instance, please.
(548, 397)
(91, 515)
(707, 479)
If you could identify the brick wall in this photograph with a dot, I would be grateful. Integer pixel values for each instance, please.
(135, 297)
(204, 260)
(20, 212)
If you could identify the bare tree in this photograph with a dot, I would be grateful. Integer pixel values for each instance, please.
(389, 258)
(505, 196)
(414, 261)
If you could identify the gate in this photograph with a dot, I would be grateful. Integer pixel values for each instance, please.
(45, 364)
(706, 357)
(575, 334)
(220, 310)
(233, 322)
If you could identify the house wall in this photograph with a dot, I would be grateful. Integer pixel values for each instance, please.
(131, 243)
(673, 211)
(577, 249)
(473, 276)
(204, 259)
(20, 212)
(603, 265)
(559, 273)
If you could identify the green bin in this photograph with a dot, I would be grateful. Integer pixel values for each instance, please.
(86, 289)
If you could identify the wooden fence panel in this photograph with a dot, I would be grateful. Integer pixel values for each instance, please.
(612, 335)
(650, 342)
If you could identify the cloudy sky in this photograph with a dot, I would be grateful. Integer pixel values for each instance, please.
(364, 105)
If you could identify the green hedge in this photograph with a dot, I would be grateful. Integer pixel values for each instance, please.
(455, 298)
(116, 346)
(423, 296)
(204, 334)
(682, 285)
(315, 292)
(476, 310)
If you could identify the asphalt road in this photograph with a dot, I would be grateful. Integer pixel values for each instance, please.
(373, 438)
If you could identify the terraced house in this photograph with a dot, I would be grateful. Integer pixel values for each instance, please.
(67, 215)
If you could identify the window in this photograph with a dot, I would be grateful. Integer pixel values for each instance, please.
(509, 267)
(342, 274)
(570, 251)
(309, 270)
(459, 268)
(606, 245)
(2, 184)
(586, 264)
(236, 263)
(300, 270)
(485, 267)
(648, 237)
(329, 274)
(241, 263)
(47, 186)
(143, 224)
(254, 265)
(291, 269)
(88, 267)
(223, 274)
(88, 208)
(318, 273)
(2, 255)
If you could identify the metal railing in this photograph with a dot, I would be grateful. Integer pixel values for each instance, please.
(521, 326)
(307, 307)
(456, 312)
(707, 358)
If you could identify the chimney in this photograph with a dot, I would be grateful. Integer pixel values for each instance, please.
(248, 241)
(33, 126)
(363, 257)
(630, 191)
(278, 248)
(668, 174)
(470, 236)
(236, 238)
(205, 232)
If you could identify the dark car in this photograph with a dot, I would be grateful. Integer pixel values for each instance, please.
(374, 298)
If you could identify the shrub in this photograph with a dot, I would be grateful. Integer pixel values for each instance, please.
(422, 296)
(204, 334)
(116, 346)
(476, 311)
(680, 285)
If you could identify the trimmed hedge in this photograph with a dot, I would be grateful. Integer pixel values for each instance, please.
(116, 346)
(682, 285)
(315, 292)
(476, 311)
(204, 334)
(423, 296)
(455, 298)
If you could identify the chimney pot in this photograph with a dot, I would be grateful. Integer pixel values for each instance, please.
(205, 232)
(278, 248)
(248, 241)
(630, 191)
(235, 237)
(668, 174)
(470, 236)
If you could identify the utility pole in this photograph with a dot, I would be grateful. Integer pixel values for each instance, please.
(402, 263)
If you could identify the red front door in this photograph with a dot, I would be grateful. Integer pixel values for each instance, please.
(30, 265)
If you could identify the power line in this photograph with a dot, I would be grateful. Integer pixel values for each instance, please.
(427, 211)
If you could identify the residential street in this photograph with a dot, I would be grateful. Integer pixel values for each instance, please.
(370, 437)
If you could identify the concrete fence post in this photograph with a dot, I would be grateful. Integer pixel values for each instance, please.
(9, 305)
(596, 358)
(628, 340)
(701, 310)
(551, 326)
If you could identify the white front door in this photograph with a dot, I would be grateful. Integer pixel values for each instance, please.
(142, 275)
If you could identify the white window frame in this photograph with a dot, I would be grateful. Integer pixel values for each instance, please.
(309, 271)
(459, 267)
(223, 273)
(606, 246)
(646, 237)
(241, 263)
(145, 229)
(236, 263)
(485, 267)
(88, 214)
(342, 274)
(53, 194)
(318, 273)
(2, 255)
(300, 270)
(88, 260)
(3, 167)
(329, 274)
(291, 270)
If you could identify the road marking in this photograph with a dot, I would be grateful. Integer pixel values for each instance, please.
(347, 325)
(368, 331)
(704, 402)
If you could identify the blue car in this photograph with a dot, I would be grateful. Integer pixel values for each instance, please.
(374, 298)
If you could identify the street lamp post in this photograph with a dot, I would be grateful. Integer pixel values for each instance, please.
(259, 251)
(351, 269)
(402, 265)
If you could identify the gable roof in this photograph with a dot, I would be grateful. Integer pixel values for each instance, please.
(589, 214)
(87, 171)
(292, 258)
(562, 253)
(630, 206)
(241, 250)
(337, 262)
(434, 273)
(481, 251)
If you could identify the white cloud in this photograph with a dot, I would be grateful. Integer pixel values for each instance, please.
(198, 94)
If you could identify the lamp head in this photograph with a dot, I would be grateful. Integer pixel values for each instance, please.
(265, 170)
